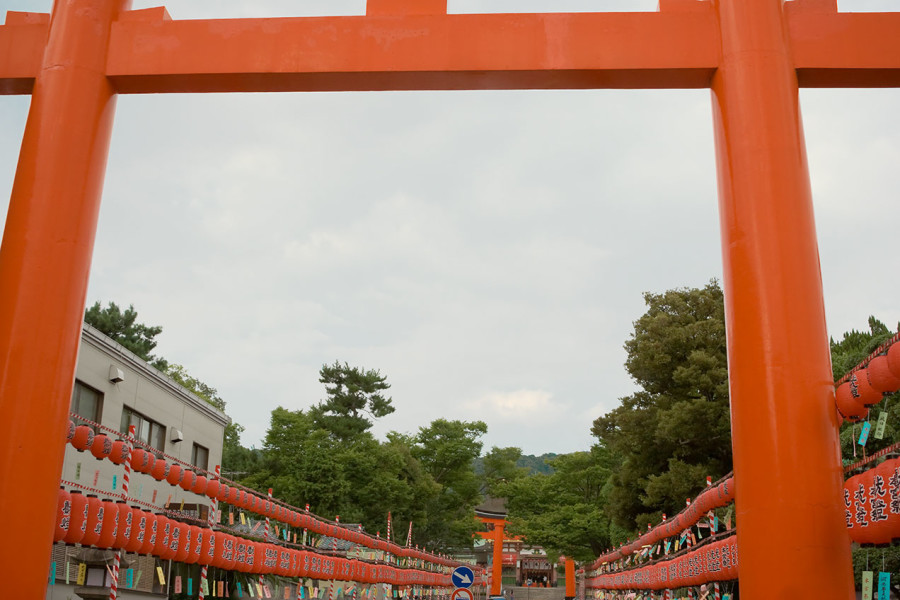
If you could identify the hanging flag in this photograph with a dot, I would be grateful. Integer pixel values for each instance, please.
(884, 586)
(867, 577)
(864, 434)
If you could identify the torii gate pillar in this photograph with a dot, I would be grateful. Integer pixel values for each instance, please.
(784, 426)
(45, 260)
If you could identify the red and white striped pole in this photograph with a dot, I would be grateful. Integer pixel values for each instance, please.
(117, 556)
(211, 520)
(716, 591)
(337, 519)
(261, 577)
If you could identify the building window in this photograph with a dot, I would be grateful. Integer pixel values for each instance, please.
(146, 430)
(200, 457)
(87, 403)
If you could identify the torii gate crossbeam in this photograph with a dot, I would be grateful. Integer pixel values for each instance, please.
(753, 54)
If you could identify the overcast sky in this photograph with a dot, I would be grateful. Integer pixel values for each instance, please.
(486, 251)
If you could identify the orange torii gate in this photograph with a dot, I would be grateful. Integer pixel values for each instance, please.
(753, 54)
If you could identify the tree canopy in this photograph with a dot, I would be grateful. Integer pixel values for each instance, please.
(354, 399)
(123, 327)
(668, 436)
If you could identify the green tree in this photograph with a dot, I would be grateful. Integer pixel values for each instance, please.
(675, 431)
(565, 511)
(354, 399)
(447, 450)
(500, 466)
(122, 327)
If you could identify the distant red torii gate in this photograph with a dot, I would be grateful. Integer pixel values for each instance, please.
(753, 54)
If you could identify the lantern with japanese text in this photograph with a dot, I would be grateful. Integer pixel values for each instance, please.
(849, 406)
(187, 480)
(233, 496)
(196, 548)
(199, 486)
(70, 431)
(83, 438)
(163, 530)
(119, 453)
(222, 496)
(151, 531)
(862, 389)
(63, 514)
(94, 521)
(221, 557)
(175, 474)
(77, 519)
(207, 548)
(123, 532)
(101, 446)
(160, 469)
(138, 530)
(140, 458)
(183, 531)
(109, 525)
(240, 555)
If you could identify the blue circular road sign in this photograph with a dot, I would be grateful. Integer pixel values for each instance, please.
(463, 577)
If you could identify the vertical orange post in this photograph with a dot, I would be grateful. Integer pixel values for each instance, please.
(570, 578)
(786, 453)
(44, 263)
(497, 568)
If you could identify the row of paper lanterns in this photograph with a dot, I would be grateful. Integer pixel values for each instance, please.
(872, 504)
(101, 446)
(712, 497)
(714, 561)
(867, 386)
(104, 524)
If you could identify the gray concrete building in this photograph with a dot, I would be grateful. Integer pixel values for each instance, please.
(115, 388)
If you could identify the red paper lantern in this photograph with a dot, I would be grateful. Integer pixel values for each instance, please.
(893, 357)
(880, 502)
(199, 486)
(849, 407)
(138, 530)
(123, 532)
(241, 555)
(139, 457)
(230, 542)
(94, 521)
(109, 525)
(83, 438)
(119, 452)
(212, 488)
(224, 548)
(151, 531)
(184, 542)
(283, 568)
(208, 547)
(77, 519)
(63, 514)
(861, 390)
(880, 376)
(222, 495)
(101, 446)
(163, 531)
(233, 496)
(175, 474)
(196, 544)
(252, 563)
(187, 480)
(160, 469)
(70, 431)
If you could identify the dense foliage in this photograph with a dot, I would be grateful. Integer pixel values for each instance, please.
(653, 450)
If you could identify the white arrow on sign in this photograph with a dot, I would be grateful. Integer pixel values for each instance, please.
(463, 577)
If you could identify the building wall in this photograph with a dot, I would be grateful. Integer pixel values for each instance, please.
(156, 397)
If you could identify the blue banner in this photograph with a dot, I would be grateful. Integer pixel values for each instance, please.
(884, 586)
